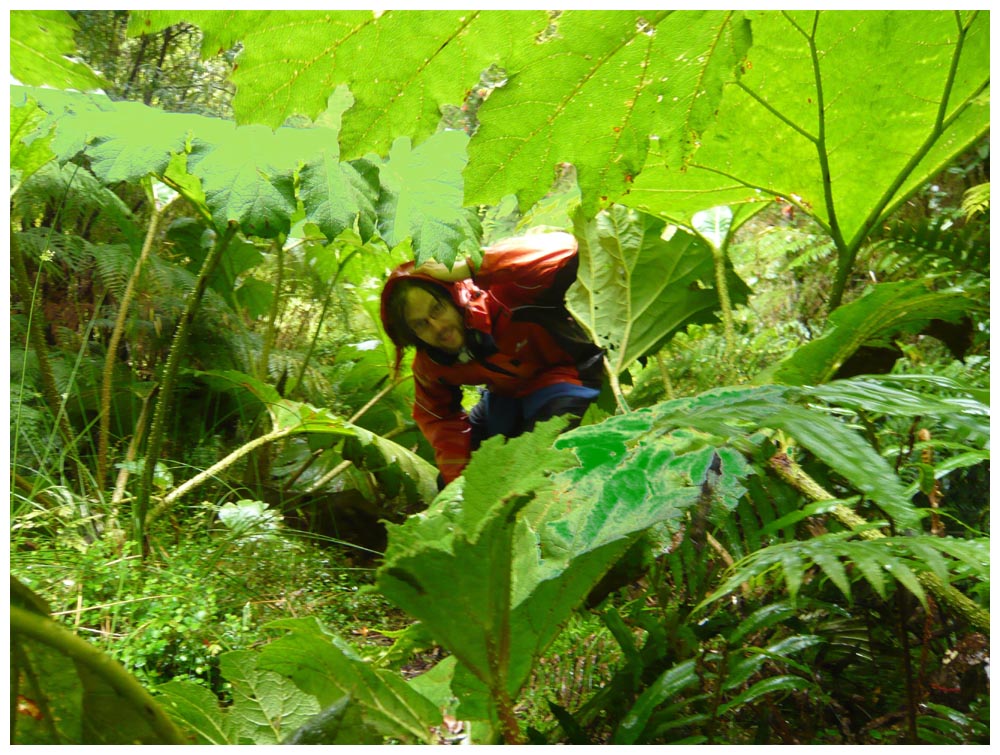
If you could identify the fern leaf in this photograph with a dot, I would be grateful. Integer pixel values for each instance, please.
(976, 200)
(906, 577)
(762, 618)
(934, 245)
(834, 569)
(793, 566)
(874, 561)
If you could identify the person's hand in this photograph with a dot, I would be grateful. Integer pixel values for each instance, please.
(440, 271)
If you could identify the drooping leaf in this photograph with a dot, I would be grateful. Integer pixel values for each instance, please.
(42, 48)
(337, 195)
(323, 728)
(30, 148)
(714, 225)
(196, 710)
(782, 683)
(734, 414)
(885, 311)
(397, 468)
(879, 561)
(635, 289)
(908, 396)
(324, 666)
(850, 456)
(667, 685)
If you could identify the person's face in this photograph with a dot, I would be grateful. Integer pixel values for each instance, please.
(436, 322)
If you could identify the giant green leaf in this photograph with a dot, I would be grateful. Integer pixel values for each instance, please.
(30, 143)
(458, 558)
(401, 66)
(635, 288)
(256, 177)
(845, 113)
(42, 48)
(498, 563)
(588, 87)
(594, 91)
(124, 141)
(886, 311)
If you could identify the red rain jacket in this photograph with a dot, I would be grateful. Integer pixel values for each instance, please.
(519, 332)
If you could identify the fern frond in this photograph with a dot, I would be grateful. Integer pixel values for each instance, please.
(800, 247)
(114, 264)
(31, 429)
(976, 200)
(81, 201)
(935, 246)
(69, 254)
(844, 560)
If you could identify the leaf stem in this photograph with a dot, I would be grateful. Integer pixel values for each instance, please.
(616, 387)
(319, 325)
(941, 124)
(270, 333)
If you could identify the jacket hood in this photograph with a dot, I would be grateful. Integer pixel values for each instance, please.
(469, 298)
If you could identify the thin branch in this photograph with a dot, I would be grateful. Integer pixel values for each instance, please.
(173, 496)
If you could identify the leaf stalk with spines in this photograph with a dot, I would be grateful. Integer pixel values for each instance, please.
(111, 356)
(169, 378)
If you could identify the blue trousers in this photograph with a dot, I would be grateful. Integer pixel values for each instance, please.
(509, 417)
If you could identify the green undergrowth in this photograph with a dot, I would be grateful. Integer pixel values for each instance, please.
(195, 598)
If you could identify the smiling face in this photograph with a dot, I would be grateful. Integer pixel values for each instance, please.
(435, 321)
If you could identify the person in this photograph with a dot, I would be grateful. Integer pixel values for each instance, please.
(502, 325)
